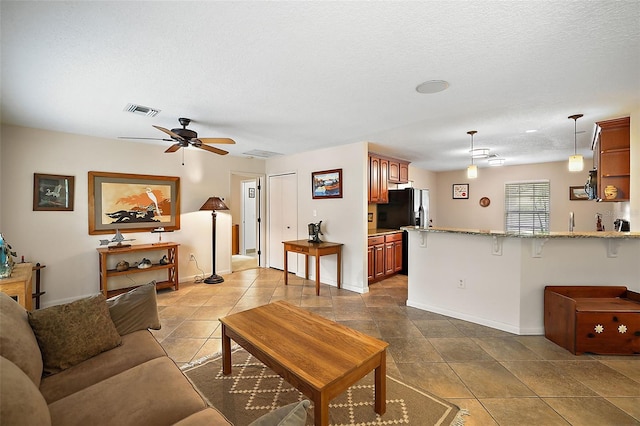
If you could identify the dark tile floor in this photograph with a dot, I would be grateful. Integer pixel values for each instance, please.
(500, 378)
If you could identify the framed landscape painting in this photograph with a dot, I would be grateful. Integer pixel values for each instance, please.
(134, 203)
(326, 184)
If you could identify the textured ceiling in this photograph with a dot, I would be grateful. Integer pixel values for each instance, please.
(296, 76)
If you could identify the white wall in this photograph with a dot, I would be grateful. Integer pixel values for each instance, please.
(490, 183)
(61, 240)
(343, 219)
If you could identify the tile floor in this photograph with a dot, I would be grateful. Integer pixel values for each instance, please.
(500, 378)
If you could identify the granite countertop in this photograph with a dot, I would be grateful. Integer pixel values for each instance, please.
(594, 234)
(382, 231)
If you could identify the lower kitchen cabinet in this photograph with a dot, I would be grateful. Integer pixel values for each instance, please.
(384, 253)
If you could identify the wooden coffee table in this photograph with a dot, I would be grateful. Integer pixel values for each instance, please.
(319, 357)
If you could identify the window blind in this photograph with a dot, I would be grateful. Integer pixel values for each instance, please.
(527, 207)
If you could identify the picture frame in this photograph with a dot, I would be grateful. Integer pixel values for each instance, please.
(132, 202)
(326, 184)
(578, 193)
(252, 193)
(460, 191)
(53, 192)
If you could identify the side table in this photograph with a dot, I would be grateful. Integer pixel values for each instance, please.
(309, 248)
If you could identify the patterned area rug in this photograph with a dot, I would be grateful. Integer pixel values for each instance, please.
(253, 390)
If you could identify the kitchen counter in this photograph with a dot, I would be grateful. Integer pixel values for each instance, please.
(498, 279)
(594, 234)
(382, 231)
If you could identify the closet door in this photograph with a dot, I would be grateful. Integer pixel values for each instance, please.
(283, 219)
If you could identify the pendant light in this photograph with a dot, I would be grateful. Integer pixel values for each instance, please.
(472, 170)
(576, 162)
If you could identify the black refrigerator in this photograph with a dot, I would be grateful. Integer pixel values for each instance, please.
(406, 207)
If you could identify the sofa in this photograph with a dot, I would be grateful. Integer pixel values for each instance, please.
(130, 381)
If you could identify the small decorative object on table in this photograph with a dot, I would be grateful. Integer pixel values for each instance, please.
(610, 192)
(160, 230)
(118, 239)
(123, 265)
(6, 258)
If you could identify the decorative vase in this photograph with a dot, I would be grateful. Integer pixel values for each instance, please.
(6, 261)
(610, 192)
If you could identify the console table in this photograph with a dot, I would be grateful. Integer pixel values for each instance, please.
(18, 285)
(312, 249)
(171, 250)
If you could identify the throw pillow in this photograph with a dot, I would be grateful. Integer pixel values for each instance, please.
(135, 310)
(73, 332)
(294, 414)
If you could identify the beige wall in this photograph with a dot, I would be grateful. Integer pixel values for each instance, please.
(61, 240)
(490, 183)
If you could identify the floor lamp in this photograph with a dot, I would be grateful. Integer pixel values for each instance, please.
(213, 204)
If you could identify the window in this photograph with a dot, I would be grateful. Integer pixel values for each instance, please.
(526, 207)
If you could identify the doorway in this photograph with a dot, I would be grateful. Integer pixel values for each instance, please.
(247, 229)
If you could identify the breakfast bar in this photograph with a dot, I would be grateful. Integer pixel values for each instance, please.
(498, 279)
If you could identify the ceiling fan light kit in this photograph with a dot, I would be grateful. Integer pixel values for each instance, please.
(576, 162)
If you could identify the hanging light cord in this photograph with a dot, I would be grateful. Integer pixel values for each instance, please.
(471, 132)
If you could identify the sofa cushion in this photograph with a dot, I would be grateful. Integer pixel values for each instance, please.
(20, 402)
(17, 342)
(70, 333)
(137, 347)
(135, 310)
(153, 393)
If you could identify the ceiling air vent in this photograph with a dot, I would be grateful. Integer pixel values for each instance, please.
(142, 110)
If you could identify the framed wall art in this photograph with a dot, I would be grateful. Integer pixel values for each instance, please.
(460, 191)
(134, 203)
(578, 193)
(52, 192)
(326, 184)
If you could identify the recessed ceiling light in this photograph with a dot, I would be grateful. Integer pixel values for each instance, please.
(530, 131)
(432, 86)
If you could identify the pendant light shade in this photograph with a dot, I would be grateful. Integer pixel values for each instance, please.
(472, 170)
(576, 162)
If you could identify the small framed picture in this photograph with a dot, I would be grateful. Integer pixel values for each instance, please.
(460, 191)
(52, 192)
(577, 193)
(252, 193)
(326, 184)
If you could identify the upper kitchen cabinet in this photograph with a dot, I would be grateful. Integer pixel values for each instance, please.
(612, 147)
(382, 171)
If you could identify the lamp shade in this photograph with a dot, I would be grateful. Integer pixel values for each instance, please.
(214, 203)
(472, 171)
(576, 163)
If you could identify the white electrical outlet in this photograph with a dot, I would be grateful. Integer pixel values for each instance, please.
(192, 257)
(461, 283)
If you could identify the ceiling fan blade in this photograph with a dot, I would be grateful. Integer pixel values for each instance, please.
(217, 140)
(170, 133)
(174, 147)
(149, 139)
(212, 149)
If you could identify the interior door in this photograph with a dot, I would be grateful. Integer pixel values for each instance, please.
(283, 219)
(249, 222)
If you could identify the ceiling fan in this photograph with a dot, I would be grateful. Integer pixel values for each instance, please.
(184, 137)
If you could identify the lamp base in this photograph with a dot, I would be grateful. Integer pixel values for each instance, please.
(214, 279)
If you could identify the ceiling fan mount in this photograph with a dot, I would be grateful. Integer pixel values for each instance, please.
(184, 132)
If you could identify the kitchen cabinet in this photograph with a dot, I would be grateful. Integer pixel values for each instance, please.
(384, 254)
(382, 171)
(398, 171)
(612, 148)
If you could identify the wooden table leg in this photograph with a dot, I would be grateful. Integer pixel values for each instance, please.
(306, 266)
(317, 274)
(226, 352)
(339, 264)
(286, 267)
(320, 410)
(381, 384)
